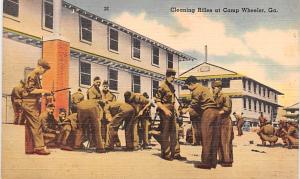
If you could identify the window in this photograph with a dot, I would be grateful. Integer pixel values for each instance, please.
(259, 106)
(245, 104)
(225, 83)
(259, 90)
(155, 86)
(268, 93)
(48, 14)
(113, 79)
(85, 73)
(255, 105)
(249, 86)
(85, 29)
(249, 101)
(275, 97)
(11, 7)
(169, 60)
(136, 48)
(113, 39)
(254, 87)
(136, 83)
(268, 109)
(264, 107)
(244, 84)
(264, 92)
(155, 55)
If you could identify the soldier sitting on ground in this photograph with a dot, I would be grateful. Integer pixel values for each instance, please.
(267, 134)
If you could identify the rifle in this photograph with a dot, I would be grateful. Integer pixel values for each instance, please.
(50, 97)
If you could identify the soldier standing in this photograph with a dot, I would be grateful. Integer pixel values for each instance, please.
(165, 100)
(204, 104)
(239, 123)
(226, 130)
(76, 98)
(30, 106)
(262, 119)
(16, 99)
(94, 91)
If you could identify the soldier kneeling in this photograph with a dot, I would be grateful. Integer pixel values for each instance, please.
(267, 134)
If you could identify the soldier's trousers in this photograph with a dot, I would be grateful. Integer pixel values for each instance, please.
(240, 131)
(169, 136)
(104, 133)
(226, 136)
(18, 119)
(196, 133)
(210, 133)
(89, 116)
(144, 135)
(33, 131)
(125, 112)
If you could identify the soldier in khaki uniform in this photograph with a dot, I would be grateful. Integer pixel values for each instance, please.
(239, 123)
(165, 100)
(117, 113)
(30, 106)
(107, 97)
(292, 135)
(76, 98)
(140, 104)
(94, 91)
(204, 104)
(16, 99)
(226, 130)
(267, 134)
(262, 119)
(68, 127)
(89, 117)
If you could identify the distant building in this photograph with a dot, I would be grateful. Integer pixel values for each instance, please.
(292, 112)
(248, 95)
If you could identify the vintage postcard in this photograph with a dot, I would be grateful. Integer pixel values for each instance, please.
(150, 89)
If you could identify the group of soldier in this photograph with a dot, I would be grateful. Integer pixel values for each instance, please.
(95, 121)
(288, 131)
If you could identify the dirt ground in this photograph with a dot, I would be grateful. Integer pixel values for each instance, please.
(276, 162)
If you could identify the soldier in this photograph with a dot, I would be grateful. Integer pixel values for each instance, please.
(140, 104)
(204, 104)
(16, 100)
(107, 97)
(262, 119)
(34, 142)
(282, 131)
(94, 91)
(196, 134)
(49, 126)
(117, 113)
(76, 98)
(226, 130)
(145, 122)
(239, 123)
(89, 117)
(292, 135)
(267, 134)
(165, 101)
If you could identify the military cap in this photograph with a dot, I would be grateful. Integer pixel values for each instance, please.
(62, 110)
(145, 94)
(97, 78)
(127, 94)
(79, 89)
(50, 105)
(216, 84)
(105, 82)
(170, 72)
(191, 79)
(43, 64)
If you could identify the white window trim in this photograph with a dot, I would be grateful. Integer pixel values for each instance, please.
(132, 48)
(17, 19)
(44, 17)
(80, 30)
(83, 85)
(108, 37)
(153, 64)
(132, 82)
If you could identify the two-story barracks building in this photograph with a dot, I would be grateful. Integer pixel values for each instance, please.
(95, 47)
(248, 95)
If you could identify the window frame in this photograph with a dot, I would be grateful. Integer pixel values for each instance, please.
(245, 103)
(44, 15)
(152, 87)
(89, 30)
(16, 18)
(249, 104)
(168, 60)
(133, 48)
(109, 39)
(110, 79)
(152, 55)
(84, 73)
(134, 85)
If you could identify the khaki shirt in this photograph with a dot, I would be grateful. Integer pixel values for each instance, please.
(202, 98)
(138, 102)
(165, 93)
(77, 97)
(108, 96)
(33, 82)
(267, 130)
(223, 102)
(94, 93)
(293, 131)
(72, 120)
